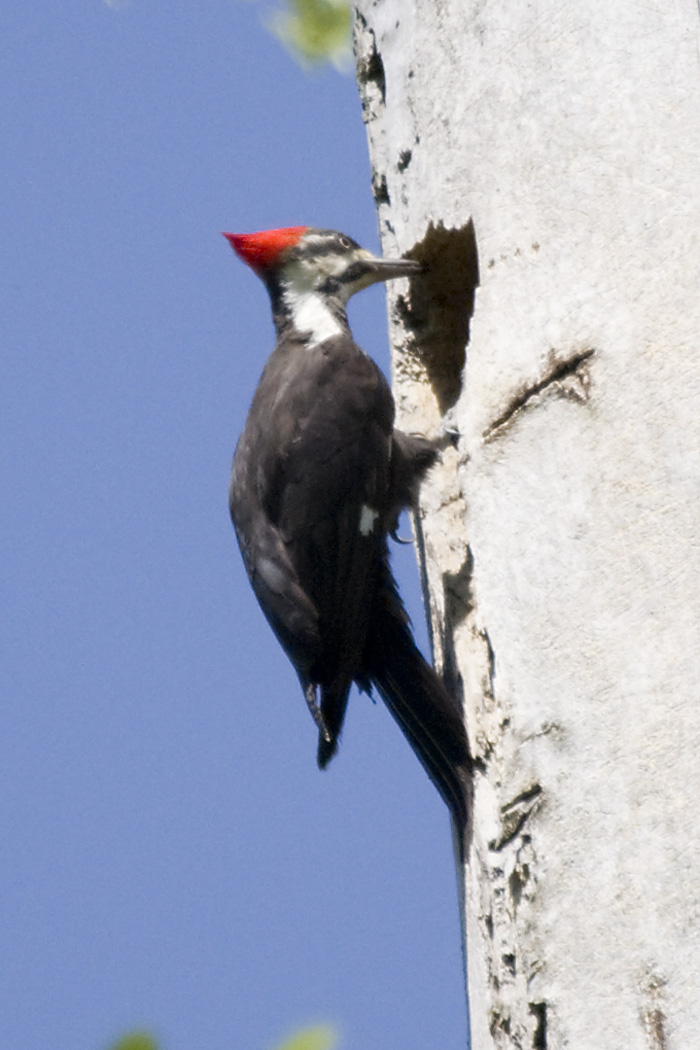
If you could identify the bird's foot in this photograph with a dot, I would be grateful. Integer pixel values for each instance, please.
(449, 433)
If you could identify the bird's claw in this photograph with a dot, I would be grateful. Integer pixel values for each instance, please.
(449, 433)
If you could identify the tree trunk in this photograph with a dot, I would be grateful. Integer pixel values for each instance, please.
(544, 160)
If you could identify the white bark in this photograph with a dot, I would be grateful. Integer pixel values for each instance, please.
(563, 539)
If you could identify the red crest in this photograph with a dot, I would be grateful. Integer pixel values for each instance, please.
(262, 250)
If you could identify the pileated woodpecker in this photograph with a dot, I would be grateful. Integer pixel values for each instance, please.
(319, 479)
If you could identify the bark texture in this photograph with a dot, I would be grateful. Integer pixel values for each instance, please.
(544, 160)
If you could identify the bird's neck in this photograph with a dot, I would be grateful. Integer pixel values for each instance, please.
(315, 315)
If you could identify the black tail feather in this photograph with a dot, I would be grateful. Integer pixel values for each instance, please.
(420, 703)
(334, 701)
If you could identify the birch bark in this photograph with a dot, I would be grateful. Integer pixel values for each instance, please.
(544, 159)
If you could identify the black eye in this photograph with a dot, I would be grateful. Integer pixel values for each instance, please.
(345, 241)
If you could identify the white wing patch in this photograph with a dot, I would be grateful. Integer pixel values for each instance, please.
(368, 518)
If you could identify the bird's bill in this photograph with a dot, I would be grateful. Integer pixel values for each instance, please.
(388, 269)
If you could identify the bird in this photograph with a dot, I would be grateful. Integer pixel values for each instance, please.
(320, 476)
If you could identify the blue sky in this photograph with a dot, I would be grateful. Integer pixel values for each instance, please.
(171, 857)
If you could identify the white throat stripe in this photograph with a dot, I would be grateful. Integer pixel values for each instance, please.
(310, 313)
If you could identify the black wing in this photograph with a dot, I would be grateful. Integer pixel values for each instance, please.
(309, 494)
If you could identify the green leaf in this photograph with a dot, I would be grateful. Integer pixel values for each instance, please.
(136, 1041)
(315, 31)
(318, 1037)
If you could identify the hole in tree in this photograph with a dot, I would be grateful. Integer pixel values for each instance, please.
(539, 1036)
(440, 307)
